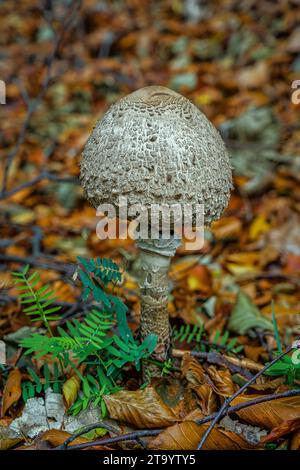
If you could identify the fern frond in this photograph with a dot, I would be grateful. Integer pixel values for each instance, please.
(104, 269)
(38, 302)
(188, 333)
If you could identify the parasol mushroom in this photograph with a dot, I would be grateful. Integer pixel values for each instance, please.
(155, 147)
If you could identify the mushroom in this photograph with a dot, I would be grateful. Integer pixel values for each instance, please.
(155, 147)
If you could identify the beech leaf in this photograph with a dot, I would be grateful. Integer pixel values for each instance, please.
(141, 408)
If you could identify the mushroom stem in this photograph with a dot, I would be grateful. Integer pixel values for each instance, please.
(155, 260)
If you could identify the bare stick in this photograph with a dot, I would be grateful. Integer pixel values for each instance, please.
(84, 430)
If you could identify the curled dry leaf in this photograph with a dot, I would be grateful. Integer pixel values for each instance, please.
(70, 389)
(12, 390)
(268, 414)
(200, 382)
(192, 370)
(286, 427)
(142, 408)
(187, 435)
(208, 400)
(223, 384)
(264, 384)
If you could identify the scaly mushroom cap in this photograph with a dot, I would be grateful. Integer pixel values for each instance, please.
(155, 147)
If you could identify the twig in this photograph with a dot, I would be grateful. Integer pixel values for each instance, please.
(44, 175)
(64, 268)
(213, 357)
(237, 393)
(133, 436)
(84, 430)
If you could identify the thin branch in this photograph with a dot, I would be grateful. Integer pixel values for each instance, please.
(133, 436)
(43, 176)
(84, 430)
(237, 393)
(64, 268)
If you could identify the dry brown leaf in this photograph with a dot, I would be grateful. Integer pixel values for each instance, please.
(208, 403)
(70, 389)
(192, 370)
(268, 414)
(286, 427)
(266, 384)
(12, 390)
(54, 438)
(142, 408)
(295, 443)
(223, 384)
(187, 435)
(254, 352)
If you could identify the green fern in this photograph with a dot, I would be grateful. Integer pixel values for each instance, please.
(31, 388)
(188, 333)
(39, 301)
(104, 269)
(195, 333)
(91, 341)
(83, 338)
(93, 390)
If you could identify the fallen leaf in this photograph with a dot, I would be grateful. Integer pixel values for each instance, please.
(187, 436)
(227, 227)
(70, 389)
(286, 427)
(208, 403)
(199, 279)
(192, 370)
(268, 414)
(245, 316)
(8, 438)
(12, 390)
(295, 443)
(142, 408)
(57, 437)
(258, 227)
(179, 269)
(223, 384)
(253, 76)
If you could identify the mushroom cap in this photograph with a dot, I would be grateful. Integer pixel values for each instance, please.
(156, 147)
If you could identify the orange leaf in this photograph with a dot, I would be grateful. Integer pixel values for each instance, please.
(12, 390)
